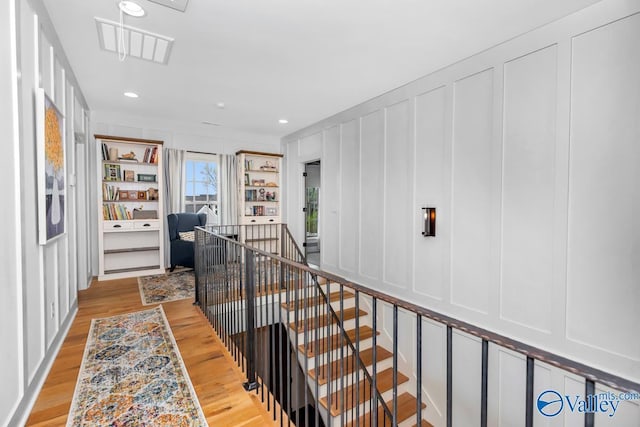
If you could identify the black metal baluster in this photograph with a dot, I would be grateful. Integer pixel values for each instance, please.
(449, 376)
(250, 355)
(394, 417)
(419, 370)
(357, 355)
(484, 392)
(589, 390)
(329, 357)
(374, 374)
(529, 393)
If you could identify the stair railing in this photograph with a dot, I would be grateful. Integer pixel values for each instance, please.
(281, 284)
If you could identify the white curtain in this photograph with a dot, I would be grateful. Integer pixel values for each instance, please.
(228, 205)
(174, 190)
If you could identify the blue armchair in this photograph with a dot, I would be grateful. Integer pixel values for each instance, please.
(182, 251)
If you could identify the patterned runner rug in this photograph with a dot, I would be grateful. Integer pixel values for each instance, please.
(132, 375)
(166, 287)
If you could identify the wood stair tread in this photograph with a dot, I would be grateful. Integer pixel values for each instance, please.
(406, 409)
(335, 343)
(424, 423)
(313, 301)
(384, 382)
(348, 365)
(320, 321)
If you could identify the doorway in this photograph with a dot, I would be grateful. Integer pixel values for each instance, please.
(312, 212)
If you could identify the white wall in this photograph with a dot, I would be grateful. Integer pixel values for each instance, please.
(530, 153)
(40, 282)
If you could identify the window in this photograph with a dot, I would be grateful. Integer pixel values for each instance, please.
(201, 182)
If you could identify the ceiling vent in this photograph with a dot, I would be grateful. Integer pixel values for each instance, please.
(137, 43)
(180, 5)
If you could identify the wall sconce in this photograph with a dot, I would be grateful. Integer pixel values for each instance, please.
(429, 227)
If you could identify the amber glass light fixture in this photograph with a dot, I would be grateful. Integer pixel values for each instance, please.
(429, 224)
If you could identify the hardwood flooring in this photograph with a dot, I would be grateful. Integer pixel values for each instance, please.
(214, 375)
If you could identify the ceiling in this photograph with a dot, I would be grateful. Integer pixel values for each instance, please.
(302, 60)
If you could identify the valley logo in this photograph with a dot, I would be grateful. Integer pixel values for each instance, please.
(550, 403)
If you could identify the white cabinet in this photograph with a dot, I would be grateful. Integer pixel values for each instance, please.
(130, 211)
(259, 198)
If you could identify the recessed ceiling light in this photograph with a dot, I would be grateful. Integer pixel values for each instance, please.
(131, 8)
(220, 105)
(131, 94)
(210, 123)
(283, 121)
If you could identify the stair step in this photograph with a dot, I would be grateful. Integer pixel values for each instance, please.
(424, 423)
(313, 301)
(406, 409)
(348, 365)
(384, 382)
(322, 345)
(320, 321)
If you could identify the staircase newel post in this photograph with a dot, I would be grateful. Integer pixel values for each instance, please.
(250, 316)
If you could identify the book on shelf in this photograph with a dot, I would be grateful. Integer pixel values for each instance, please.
(153, 155)
(115, 212)
(110, 192)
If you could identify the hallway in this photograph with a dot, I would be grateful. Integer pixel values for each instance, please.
(215, 377)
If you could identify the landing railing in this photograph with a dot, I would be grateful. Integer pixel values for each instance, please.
(320, 350)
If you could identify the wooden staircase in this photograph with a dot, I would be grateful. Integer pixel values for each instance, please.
(339, 369)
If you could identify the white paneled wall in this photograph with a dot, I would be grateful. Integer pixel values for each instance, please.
(530, 152)
(49, 276)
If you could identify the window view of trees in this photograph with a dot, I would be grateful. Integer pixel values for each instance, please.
(201, 185)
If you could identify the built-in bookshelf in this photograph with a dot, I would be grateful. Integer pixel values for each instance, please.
(130, 210)
(259, 197)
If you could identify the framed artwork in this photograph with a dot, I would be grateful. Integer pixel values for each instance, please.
(52, 186)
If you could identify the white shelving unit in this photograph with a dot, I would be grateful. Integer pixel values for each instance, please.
(130, 212)
(259, 197)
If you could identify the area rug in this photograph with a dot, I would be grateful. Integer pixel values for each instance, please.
(167, 287)
(132, 375)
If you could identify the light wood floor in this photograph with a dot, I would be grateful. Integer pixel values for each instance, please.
(215, 377)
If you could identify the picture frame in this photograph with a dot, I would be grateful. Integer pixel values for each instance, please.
(142, 195)
(133, 195)
(112, 172)
(123, 195)
(51, 169)
(129, 176)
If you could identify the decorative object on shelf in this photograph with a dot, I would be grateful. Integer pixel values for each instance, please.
(142, 195)
(271, 197)
(153, 193)
(429, 222)
(271, 184)
(268, 166)
(129, 156)
(144, 177)
(129, 176)
(261, 195)
(271, 211)
(111, 172)
(51, 169)
(257, 182)
(113, 153)
(145, 214)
